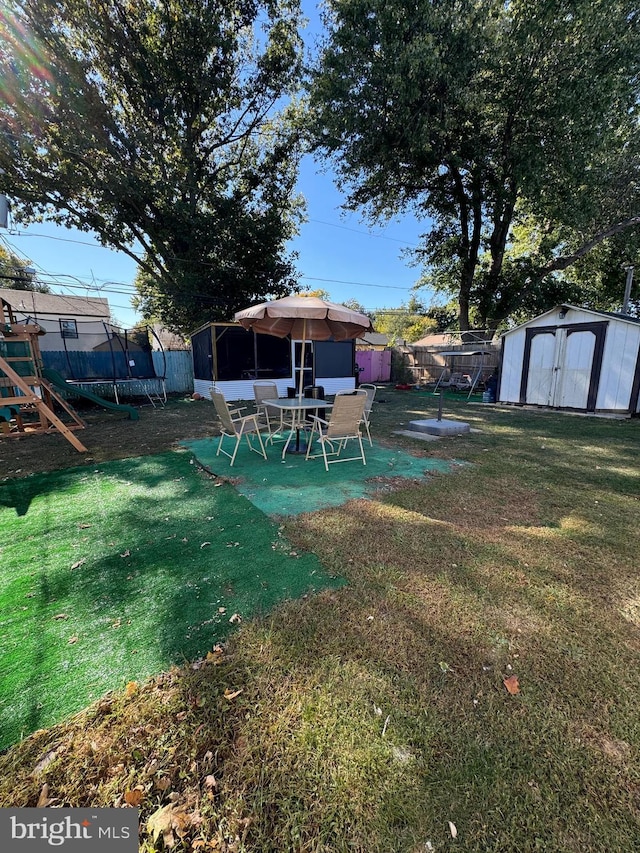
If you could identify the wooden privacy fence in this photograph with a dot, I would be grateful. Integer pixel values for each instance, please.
(426, 364)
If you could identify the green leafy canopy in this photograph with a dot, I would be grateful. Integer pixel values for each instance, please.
(476, 114)
(164, 125)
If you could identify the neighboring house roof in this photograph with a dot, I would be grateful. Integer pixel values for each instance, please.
(455, 339)
(626, 318)
(374, 339)
(54, 304)
(445, 339)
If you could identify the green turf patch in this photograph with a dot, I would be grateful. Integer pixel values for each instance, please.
(110, 574)
(294, 486)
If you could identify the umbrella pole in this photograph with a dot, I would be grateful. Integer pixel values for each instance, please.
(301, 380)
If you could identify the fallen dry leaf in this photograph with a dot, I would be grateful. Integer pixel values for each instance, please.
(235, 618)
(45, 761)
(453, 830)
(511, 684)
(44, 799)
(61, 616)
(170, 818)
(131, 689)
(231, 694)
(72, 640)
(78, 564)
(160, 822)
(127, 553)
(133, 798)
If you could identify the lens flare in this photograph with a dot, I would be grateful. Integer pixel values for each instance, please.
(25, 75)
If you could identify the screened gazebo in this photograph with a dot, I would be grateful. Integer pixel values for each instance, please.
(230, 359)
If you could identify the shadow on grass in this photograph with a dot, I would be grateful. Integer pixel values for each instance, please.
(114, 574)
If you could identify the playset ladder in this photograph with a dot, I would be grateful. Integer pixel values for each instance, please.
(28, 397)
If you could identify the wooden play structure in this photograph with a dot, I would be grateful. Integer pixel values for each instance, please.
(27, 400)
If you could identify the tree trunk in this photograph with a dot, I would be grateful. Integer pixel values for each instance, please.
(470, 262)
(493, 307)
(498, 243)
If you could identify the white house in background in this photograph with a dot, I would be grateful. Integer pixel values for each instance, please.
(573, 358)
(70, 322)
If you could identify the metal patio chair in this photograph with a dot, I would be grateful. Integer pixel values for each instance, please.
(371, 395)
(343, 426)
(276, 424)
(236, 426)
(265, 390)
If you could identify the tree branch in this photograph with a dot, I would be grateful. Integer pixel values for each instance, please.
(565, 261)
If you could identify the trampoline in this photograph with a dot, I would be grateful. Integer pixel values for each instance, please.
(123, 360)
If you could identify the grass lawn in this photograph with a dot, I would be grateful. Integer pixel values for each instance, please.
(478, 676)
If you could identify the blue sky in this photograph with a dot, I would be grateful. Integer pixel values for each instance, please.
(336, 252)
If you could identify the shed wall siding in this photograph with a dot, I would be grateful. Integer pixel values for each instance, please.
(553, 318)
(513, 356)
(618, 366)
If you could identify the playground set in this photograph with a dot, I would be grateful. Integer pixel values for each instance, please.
(30, 393)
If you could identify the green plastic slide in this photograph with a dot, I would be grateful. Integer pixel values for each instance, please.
(59, 381)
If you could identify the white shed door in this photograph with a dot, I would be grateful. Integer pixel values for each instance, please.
(540, 382)
(562, 365)
(574, 369)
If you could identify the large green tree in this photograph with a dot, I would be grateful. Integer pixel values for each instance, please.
(472, 113)
(16, 274)
(408, 323)
(159, 124)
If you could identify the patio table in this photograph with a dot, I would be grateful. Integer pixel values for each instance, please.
(298, 408)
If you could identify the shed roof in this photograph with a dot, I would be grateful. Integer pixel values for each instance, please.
(625, 318)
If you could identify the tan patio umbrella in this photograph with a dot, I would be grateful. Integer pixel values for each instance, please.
(305, 318)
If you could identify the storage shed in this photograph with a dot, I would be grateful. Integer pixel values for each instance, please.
(230, 358)
(573, 358)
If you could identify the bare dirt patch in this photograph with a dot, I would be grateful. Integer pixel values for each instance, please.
(109, 435)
